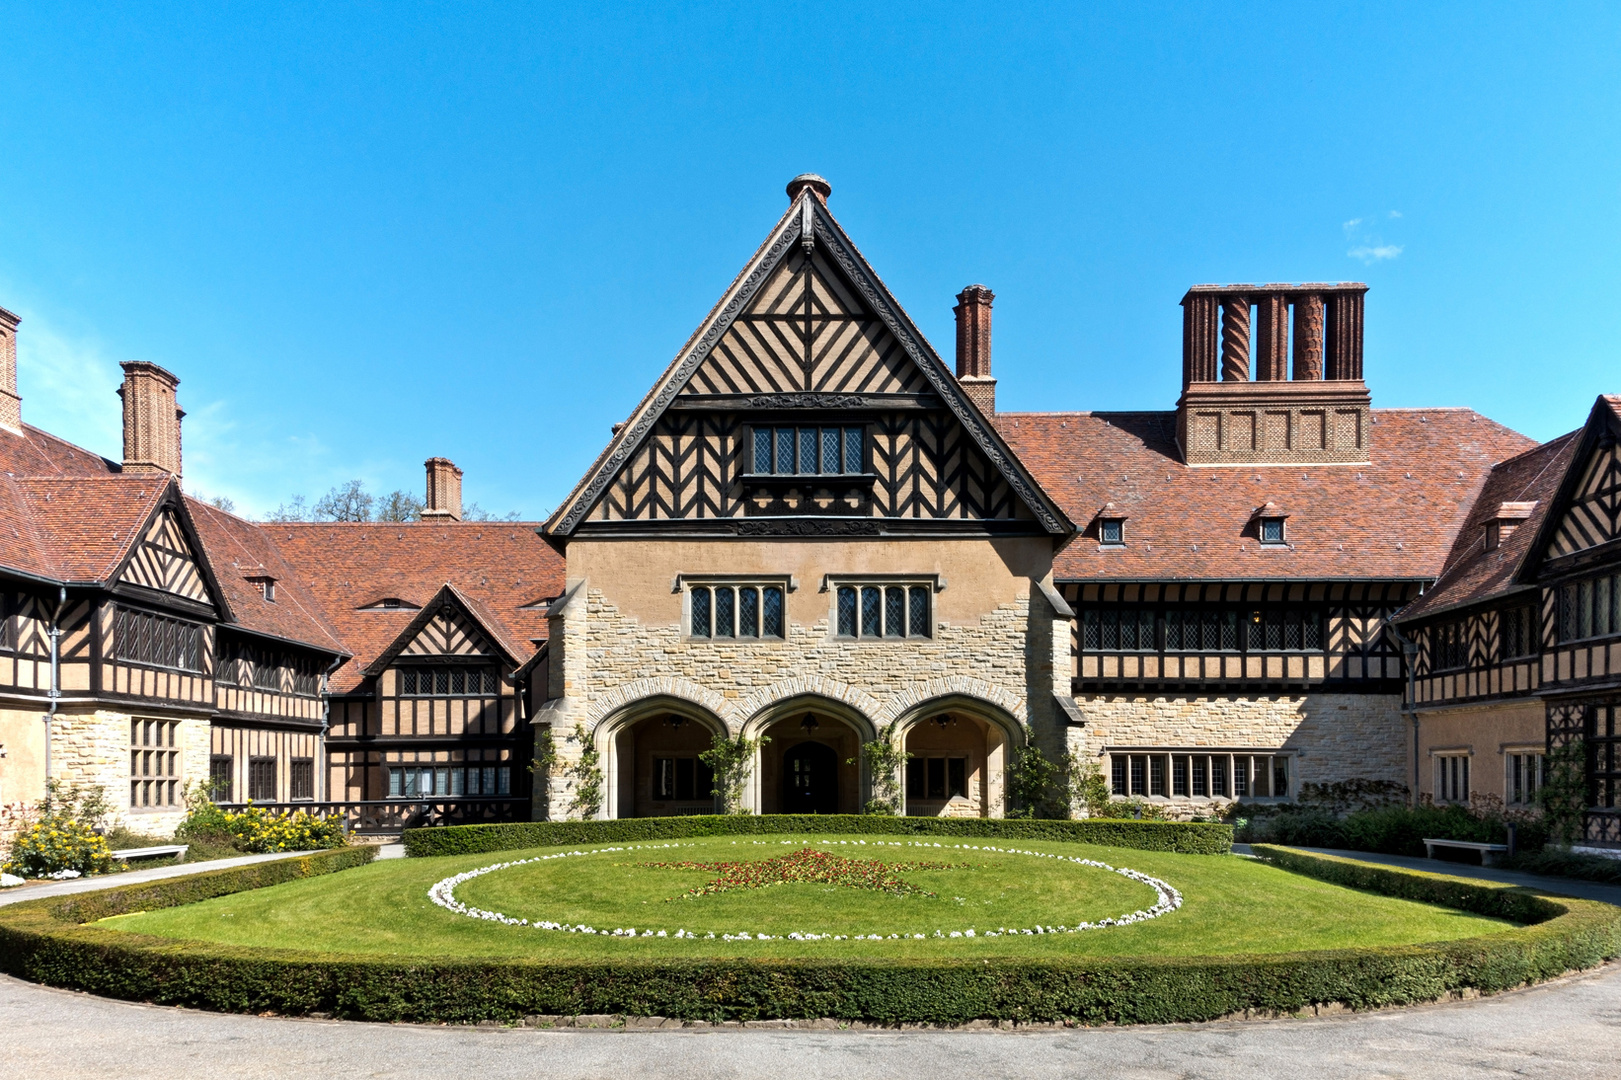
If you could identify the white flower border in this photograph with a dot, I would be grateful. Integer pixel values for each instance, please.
(1168, 899)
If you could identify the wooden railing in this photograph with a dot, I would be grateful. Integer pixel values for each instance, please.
(392, 816)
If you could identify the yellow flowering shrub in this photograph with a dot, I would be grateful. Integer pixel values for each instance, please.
(57, 842)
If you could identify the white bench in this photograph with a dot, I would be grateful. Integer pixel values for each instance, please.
(1488, 852)
(177, 850)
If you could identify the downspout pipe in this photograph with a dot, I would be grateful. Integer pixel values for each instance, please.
(54, 633)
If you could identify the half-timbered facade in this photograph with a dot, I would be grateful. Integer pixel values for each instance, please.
(813, 532)
(1517, 650)
(809, 532)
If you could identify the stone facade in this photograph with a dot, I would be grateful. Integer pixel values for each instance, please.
(1001, 663)
(94, 748)
(1329, 737)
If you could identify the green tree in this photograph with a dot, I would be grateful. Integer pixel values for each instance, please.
(295, 509)
(346, 502)
(475, 512)
(1038, 786)
(884, 760)
(399, 506)
(587, 775)
(730, 760)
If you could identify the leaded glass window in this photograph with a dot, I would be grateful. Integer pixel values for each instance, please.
(883, 611)
(735, 611)
(801, 451)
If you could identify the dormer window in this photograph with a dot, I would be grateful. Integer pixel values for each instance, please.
(1269, 527)
(1111, 521)
(1508, 517)
(390, 603)
(266, 585)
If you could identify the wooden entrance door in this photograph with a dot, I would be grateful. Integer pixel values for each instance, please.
(810, 779)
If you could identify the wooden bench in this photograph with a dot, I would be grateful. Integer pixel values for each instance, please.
(177, 850)
(1488, 852)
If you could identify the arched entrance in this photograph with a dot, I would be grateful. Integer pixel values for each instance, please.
(810, 779)
(651, 763)
(812, 763)
(958, 761)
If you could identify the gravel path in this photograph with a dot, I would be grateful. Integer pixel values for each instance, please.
(1569, 1028)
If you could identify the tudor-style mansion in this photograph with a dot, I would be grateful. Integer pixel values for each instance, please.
(812, 531)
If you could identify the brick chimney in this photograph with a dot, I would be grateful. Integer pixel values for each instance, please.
(151, 418)
(444, 501)
(11, 406)
(1241, 406)
(974, 347)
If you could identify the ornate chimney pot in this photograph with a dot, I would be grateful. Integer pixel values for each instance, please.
(151, 418)
(973, 312)
(819, 187)
(444, 496)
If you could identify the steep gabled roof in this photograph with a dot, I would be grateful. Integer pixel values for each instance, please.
(499, 569)
(1394, 518)
(807, 221)
(1584, 521)
(449, 596)
(239, 549)
(1473, 573)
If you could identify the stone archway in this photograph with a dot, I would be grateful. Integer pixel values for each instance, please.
(649, 753)
(960, 747)
(811, 732)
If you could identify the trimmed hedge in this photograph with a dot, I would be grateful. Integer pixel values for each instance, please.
(43, 942)
(1185, 838)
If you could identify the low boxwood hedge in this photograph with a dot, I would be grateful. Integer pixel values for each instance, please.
(45, 941)
(1186, 838)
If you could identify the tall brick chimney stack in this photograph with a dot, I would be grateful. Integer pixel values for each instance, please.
(151, 418)
(974, 346)
(11, 406)
(444, 501)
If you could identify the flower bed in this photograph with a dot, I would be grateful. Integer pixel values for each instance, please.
(806, 866)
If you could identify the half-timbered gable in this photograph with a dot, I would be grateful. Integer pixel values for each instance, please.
(164, 560)
(806, 404)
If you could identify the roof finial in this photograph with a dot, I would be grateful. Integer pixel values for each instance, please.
(818, 187)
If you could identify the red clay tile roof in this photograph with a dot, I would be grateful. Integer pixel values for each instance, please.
(39, 453)
(83, 526)
(501, 568)
(1472, 573)
(236, 548)
(1394, 518)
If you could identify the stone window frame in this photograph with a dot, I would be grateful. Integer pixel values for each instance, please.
(929, 583)
(1452, 782)
(1521, 786)
(1173, 774)
(1279, 525)
(686, 583)
(157, 764)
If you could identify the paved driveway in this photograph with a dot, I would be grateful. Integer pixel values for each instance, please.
(1571, 1028)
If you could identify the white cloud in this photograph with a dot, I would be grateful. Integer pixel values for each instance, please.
(69, 386)
(1395, 213)
(1377, 253)
(1351, 225)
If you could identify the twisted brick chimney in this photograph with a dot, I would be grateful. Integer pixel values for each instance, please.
(974, 347)
(1240, 405)
(444, 499)
(151, 418)
(11, 406)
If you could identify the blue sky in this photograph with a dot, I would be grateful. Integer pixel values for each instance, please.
(364, 235)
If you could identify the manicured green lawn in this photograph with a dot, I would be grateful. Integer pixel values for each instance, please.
(1231, 905)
